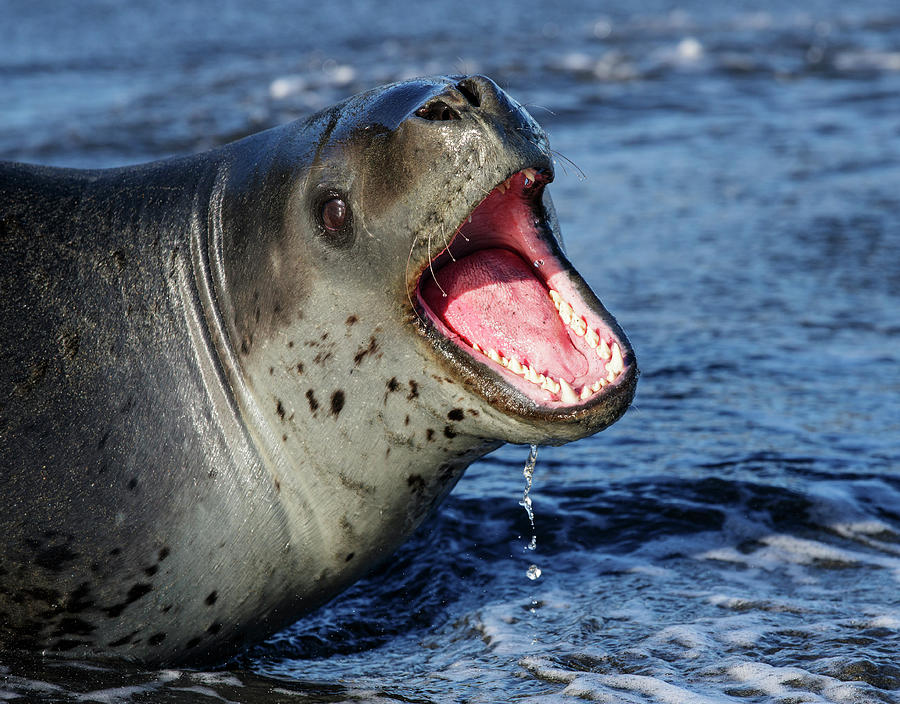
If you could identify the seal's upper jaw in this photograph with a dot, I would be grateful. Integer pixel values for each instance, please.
(510, 313)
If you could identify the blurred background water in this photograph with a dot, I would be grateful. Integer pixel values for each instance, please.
(729, 184)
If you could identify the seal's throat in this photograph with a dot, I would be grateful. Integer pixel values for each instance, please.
(499, 293)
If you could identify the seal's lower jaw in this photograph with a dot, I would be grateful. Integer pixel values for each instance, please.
(509, 312)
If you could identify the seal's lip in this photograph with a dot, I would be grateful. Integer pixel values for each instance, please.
(595, 373)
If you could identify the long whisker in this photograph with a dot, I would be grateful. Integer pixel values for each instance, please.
(581, 175)
(542, 107)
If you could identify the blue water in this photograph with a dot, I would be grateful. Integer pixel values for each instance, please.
(729, 183)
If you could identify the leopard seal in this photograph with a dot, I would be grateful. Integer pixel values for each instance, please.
(232, 383)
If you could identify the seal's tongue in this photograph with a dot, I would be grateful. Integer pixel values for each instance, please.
(493, 299)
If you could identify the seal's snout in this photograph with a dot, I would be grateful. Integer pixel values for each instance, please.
(467, 94)
(452, 102)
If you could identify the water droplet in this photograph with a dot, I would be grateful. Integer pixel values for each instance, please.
(525, 503)
(538, 263)
(534, 572)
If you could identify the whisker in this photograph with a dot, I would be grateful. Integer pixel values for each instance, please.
(581, 175)
(542, 107)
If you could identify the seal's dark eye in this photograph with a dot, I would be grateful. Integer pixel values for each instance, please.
(334, 214)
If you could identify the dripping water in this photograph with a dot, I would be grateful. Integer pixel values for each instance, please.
(533, 571)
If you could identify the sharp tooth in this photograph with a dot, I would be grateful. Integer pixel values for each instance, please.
(476, 347)
(597, 385)
(532, 375)
(592, 337)
(617, 363)
(611, 377)
(585, 392)
(579, 326)
(603, 350)
(530, 174)
(515, 366)
(565, 312)
(549, 385)
(492, 354)
(555, 297)
(567, 394)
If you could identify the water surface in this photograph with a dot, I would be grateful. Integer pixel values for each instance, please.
(728, 183)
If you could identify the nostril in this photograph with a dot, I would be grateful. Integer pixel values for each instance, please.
(469, 89)
(437, 110)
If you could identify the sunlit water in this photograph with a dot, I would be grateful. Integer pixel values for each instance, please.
(734, 200)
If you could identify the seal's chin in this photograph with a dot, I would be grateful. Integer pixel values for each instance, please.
(500, 295)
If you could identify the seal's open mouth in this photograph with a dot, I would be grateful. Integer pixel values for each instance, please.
(500, 293)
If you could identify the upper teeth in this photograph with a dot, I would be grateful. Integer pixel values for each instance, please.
(609, 352)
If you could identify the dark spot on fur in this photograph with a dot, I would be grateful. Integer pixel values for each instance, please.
(115, 611)
(164, 553)
(74, 627)
(284, 438)
(277, 485)
(322, 357)
(132, 484)
(137, 591)
(351, 319)
(415, 483)
(472, 411)
(362, 352)
(455, 414)
(448, 432)
(152, 570)
(193, 642)
(279, 409)
(313, 403)
(54, 558)
(393, 384)
(211, 598)
(271, 371)
(299, 367)
(429, 434)
(349, 557)
(166, 609)
(337, 402)
(215, 628)
(78, 601)
(115, 551)
(156, 638)
(123, 641)
(413, 391)
(406, 422)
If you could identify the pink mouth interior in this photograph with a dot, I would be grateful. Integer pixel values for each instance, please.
(493, 298)
(490, 292)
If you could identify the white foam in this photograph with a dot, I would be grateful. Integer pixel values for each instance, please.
(793, 682)
(614, 688)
